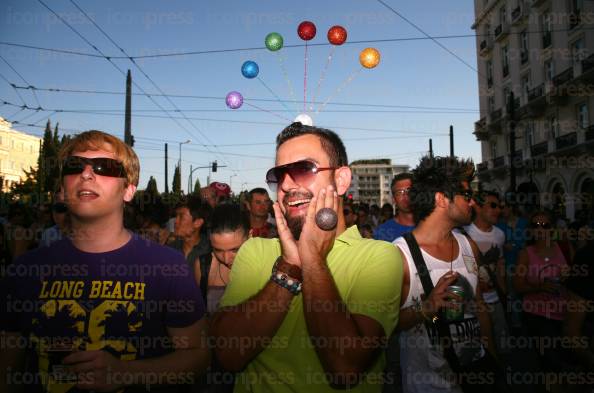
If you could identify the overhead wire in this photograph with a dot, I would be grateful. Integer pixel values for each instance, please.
(145, 74)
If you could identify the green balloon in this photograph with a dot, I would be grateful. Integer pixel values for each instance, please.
(274, 41)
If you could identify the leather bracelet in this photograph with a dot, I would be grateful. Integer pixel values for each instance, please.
(284, 280)
(288, 268)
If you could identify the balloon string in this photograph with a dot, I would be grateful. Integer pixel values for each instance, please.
(339, 89)
(275, 96)
(266, 110)
(322, 77)
(281, 60)
(304, 77)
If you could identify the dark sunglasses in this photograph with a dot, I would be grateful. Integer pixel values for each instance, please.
(495, 205)
(103, 166)
(346, 212)
(59, 207)
(302, 173)
(539, 224)
(466, 194)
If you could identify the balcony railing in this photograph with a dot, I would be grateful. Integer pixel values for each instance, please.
(483, 166)
(546, 39)
(516, 14)
(588, 63)
(535, 93)
(498, 162)
(486, 45)
(563, 77)
(574, 20)
(501, 31)
(539, 149)
(590, 133)
(566, 140)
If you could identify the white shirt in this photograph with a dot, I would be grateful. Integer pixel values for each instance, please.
(424, 368)
(490, 245)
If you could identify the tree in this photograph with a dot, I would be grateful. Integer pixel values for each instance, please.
(48, 168)
(151, 187)
(197, 187)
(176, 186)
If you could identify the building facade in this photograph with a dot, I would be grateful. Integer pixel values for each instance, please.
(371, 180)
(18, 152)
(536, 80)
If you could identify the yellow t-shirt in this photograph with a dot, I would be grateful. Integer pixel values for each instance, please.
(368, 276)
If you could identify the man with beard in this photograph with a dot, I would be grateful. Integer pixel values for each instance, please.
(441, 200)
(403, 221)
(309, 311)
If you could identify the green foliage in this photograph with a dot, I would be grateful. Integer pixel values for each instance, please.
(176, 186)
(197, 187)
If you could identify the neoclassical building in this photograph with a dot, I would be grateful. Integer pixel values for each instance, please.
(541, 51)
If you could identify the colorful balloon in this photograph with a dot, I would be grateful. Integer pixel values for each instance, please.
(250, 69)
(234, 100)
(369, 57)
(337, 35)
(304, 119)
(306, 30)
(273, 42)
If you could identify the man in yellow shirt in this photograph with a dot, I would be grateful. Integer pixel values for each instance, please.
(311, 310)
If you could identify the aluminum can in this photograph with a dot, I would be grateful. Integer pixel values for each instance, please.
(454, 310)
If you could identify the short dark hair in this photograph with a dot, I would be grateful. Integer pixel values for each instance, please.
(400, 177)
(257, 190)
(229, 218)
(197, 206)
(482, 196)
(437, 174)
(331, 142)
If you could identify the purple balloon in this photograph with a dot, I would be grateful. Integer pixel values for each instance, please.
(234, 100)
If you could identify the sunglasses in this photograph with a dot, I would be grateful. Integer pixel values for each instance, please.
(495, 205)
(539, 224)
(466, 194)
(402, 191)
(302, 173)
(103, 166)
(346, 212)
(59, 207)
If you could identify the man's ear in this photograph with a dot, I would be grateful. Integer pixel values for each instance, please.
(441, 200)
(342, 178)
(129, 192)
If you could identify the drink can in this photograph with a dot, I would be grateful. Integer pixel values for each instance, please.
(454, 310)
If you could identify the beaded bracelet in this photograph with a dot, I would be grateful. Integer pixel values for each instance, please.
(284, 280)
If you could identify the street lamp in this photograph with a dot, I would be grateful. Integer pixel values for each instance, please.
(179, 163)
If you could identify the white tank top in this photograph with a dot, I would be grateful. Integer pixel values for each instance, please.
(424, 368)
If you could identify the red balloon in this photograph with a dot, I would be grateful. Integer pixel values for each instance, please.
(306, 30)
(337, 35)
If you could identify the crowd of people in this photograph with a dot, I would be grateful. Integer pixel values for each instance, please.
(453, 288)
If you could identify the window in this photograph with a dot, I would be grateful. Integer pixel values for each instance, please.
(549, 69)
(489, 73)
(582, 115)
(529, 134)
(30, 148)
(578, 52)
(494, 149)
(553, 126)
(575, 9)
(505, 60)
(491, 104)
(503, 15)
(505, 100)
(523, 47)
(525, 87)
(546, 29)
(12, 144)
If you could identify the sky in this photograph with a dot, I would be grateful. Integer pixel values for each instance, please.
(415, 93)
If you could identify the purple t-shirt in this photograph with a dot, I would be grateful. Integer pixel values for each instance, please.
(122, 301)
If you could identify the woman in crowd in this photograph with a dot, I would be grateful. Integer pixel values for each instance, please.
(541, 269)
(229, 229)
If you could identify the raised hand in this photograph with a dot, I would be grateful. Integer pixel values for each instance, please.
(440, 295)
(315, 243)
(288, 244)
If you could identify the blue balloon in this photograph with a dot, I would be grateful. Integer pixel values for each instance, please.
(250, 69)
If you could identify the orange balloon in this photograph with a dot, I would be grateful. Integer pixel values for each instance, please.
(369, 57)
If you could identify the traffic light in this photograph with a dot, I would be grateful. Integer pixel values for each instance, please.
(214, 166)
